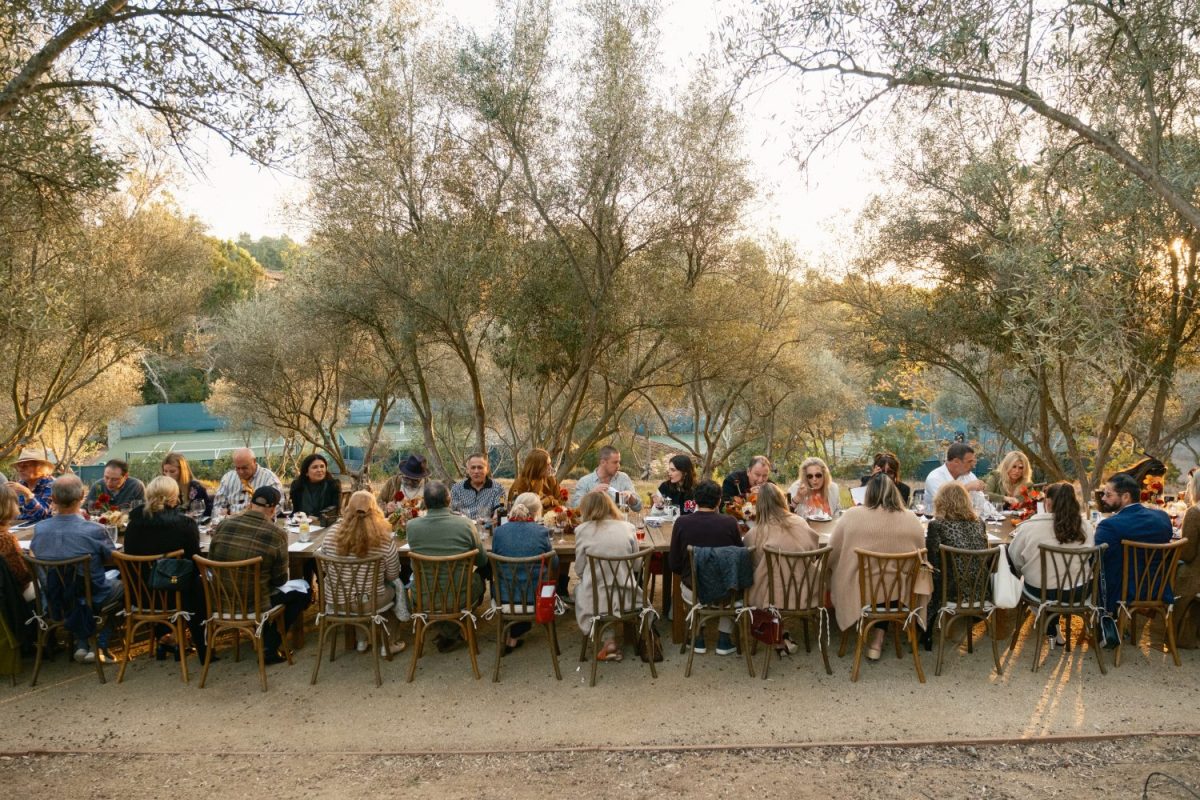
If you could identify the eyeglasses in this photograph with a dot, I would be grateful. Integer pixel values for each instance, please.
(813, 475)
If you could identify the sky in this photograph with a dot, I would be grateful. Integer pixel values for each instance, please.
(814, 209)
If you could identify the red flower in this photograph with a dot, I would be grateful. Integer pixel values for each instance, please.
(562, 493)
(558, 509)
(102, 498)
(398, 496)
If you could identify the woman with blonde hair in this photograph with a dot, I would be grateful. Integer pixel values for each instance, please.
(814, 492)
(363, 532)
(956, 524)
(537, 476)
(160, 526)
(175, 466)
(775, 526)
(602, 532)
(1004, 485)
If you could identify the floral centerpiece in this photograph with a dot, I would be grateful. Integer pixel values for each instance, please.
(401, 512)
(104, 512)
(563, 517)
(1152, 490)
(742, 508)
(1027, 502)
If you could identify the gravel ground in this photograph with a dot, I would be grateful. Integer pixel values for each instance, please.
(345, 737)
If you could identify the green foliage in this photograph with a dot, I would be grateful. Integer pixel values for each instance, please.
(901, 436)
(235, 276)
(208, 472)
(182, 383)
(277, 253)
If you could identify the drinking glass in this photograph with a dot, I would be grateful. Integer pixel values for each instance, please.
(111, 530)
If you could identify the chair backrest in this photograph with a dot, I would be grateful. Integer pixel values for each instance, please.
(135, 575)
(1148, 571)
(442, 584)
(888, 579)
(59, 585)
(969, 572)
(619, 583)
(1075, 571)
(350, 586)
(232, 589)
(515, 580)
(732, 597)
(797, 580)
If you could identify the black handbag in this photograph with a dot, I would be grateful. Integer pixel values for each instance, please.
(172, 574)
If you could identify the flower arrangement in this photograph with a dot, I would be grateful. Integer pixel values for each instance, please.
(402, 512)
(742, 508)
(561, 517)
(1152, 490)
(104, 512)
(1028, 499)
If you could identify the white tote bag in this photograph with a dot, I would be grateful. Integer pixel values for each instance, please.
(1006, 587)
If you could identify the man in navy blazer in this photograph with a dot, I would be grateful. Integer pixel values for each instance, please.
(1133, 522)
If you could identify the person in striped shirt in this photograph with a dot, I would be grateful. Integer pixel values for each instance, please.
(237, 486)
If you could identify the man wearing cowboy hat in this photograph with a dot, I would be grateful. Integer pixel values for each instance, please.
(407, 485)
(33, 483)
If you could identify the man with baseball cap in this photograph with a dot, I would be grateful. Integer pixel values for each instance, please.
(253, 533)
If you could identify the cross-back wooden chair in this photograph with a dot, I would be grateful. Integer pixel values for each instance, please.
(1078, 570)
(970, 572)
(733, 605)
(515, 584)
(619, 597)
(887, 590)
(349, 593)
(1147, 576)
(147, 606)
(796, 585)
(58, 587)
(234, 602)
(443, 591)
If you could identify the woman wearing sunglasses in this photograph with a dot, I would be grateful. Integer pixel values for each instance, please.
(815, 493)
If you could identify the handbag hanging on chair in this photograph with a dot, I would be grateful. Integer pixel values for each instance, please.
(1006, 587)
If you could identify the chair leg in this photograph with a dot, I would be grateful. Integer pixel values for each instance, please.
(858, 648)
(744, 636)
(554, 637)
(912, 642)
(501, 635)
(1039, 637)
(418, 641)
(323, 630)
(989, 625)
(971, 635)
(944, 624)
(210, 638)
(823, 645)
(583, 648)
(1169, 624)
(128, 646)
(807, 643)
(181, 638)
(1123, 622)
(766, 660)
(842, 644)
(37, 661)
(96, 649)
(261, 652)
(375, 643)
(597, 638)
(552, 643)
(1018, 621)
(895, 626)
(472, 648)
(693, 632)
(1096, 646)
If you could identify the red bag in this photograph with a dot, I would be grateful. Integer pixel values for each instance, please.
(547, 600)
(765, 627)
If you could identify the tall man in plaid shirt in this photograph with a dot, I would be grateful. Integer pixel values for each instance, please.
(253, 533)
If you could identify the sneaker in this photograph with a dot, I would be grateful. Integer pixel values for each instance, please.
(788, 645)
(725, 645)
(362, 645)
(105, 656)
(83, 656)
(698, 646)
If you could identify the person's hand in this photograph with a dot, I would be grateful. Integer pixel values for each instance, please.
(21, 489)
(601, 487)
(658, 500)
(1012, 501)
(975, 486)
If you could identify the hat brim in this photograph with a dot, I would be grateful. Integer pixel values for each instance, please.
(413, 477)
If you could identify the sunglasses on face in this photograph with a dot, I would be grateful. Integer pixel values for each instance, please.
(813, 476)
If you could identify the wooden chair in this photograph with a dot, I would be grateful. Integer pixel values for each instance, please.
(50, 579)
(1078, 569)
(1147, 574)
(520, 578)
(971, 573)
(234, 602)
(619, 597)
(443, 591)
(349, 594)
(146, 606)
(732, 605)
(796, 587)
(886, 587)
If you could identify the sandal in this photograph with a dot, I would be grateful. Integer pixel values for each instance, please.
(610, 653)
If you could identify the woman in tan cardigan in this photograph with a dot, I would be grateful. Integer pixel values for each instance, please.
(881, 525)
(776, 527)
